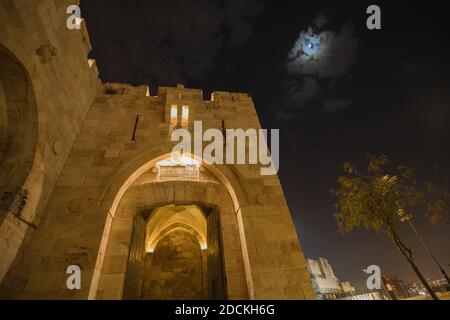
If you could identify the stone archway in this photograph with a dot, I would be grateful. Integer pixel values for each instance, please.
(176, 262)
(143, 196)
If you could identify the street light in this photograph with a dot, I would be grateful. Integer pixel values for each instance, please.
(406, 217)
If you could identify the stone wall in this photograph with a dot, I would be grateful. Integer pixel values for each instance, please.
(94, 141)
(60, 86)
(105, 161)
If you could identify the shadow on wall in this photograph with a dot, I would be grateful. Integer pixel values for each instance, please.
(18, 145)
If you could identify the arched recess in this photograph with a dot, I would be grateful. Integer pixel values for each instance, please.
(124, 180)
(164, 219)
(173, 227)
(176, 263)
(21, 172)
(18, 128)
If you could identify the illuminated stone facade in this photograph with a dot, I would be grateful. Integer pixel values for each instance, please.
(323, 278)
(80, 183)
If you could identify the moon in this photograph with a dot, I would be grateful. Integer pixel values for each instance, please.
(310, 45)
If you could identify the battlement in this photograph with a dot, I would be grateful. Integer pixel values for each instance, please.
(180, 92)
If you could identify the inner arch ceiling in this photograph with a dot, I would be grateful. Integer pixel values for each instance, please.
(164, 218)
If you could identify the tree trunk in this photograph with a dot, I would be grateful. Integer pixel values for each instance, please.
(408, 256)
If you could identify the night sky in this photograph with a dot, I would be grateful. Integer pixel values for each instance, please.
(381, 91)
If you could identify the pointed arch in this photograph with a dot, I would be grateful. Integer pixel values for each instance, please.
(128, 174)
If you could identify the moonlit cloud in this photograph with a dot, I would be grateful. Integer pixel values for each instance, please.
(326, 55)
(317, 62)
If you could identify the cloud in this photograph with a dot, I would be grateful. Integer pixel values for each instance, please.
(318, 62)
(170, 41)
(332, 105)
(303, 92)
(321, 20)
(333, 57)
(285, 115)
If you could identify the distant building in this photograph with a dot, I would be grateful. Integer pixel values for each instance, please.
(440, 285)
(415, 289)
(327, 286)
(323, 278)
(325, 283)
(395, 288)
(347, 287)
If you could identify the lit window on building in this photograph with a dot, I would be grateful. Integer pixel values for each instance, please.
(174, 115)
(185, 116)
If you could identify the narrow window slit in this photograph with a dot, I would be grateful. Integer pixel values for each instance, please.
(133, 138)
